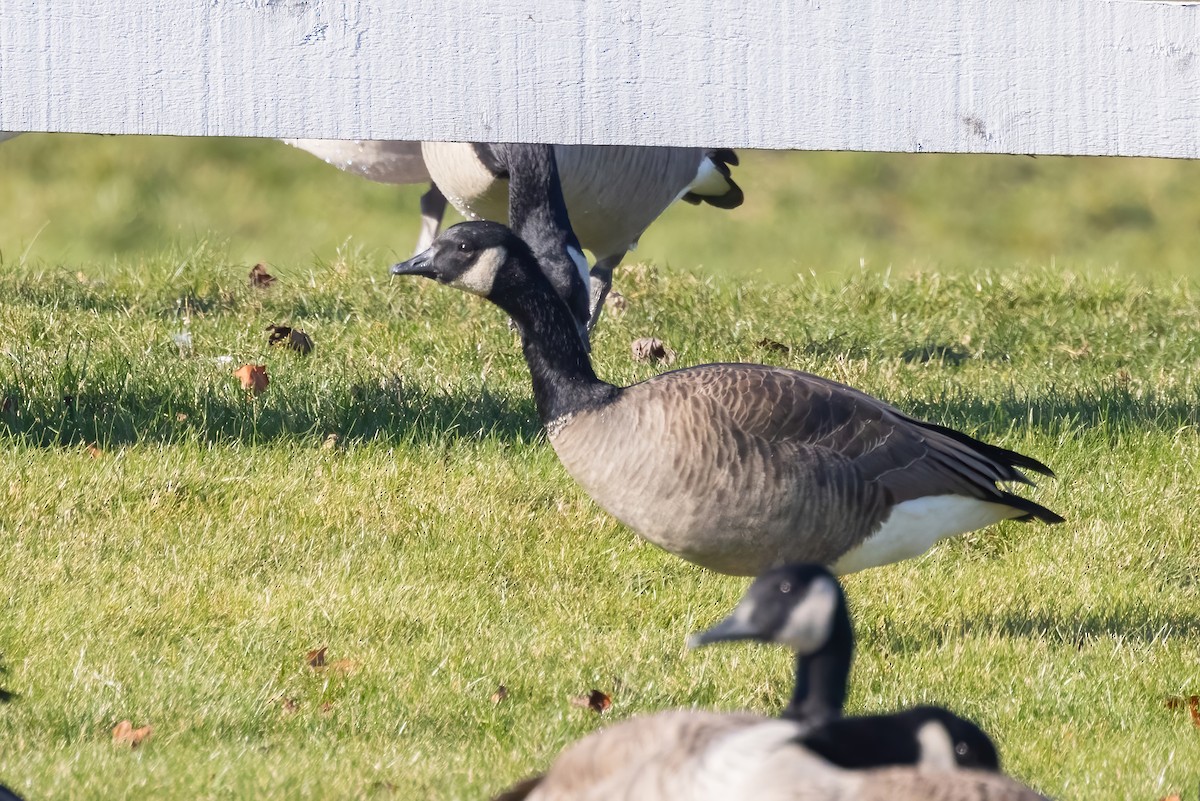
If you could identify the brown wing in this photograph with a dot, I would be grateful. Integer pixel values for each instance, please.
(817, 420)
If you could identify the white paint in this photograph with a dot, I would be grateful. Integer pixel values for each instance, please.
(810, 621)
(1026, 76)
(915, 526)
(481, 275)
(936, 747)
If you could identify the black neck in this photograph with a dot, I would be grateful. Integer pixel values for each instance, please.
(563, 379)
(821, 678)
(869, 741)
(537, 213)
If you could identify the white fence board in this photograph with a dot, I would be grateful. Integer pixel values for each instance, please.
(1118, 77)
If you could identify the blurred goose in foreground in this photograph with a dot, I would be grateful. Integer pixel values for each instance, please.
(613, 193)
(809, 753)
(737, 467)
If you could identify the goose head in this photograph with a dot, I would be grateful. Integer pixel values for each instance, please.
(803, 607)
(487, 259)
(928, 736)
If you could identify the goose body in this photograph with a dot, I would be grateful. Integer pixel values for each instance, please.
(613, 193)
(810, 753)
(740, 467)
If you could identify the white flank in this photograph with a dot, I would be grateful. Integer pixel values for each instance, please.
(708, 181)
(915, 526)
(482, 274)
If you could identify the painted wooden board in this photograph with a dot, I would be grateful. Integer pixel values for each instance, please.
(1119, 77)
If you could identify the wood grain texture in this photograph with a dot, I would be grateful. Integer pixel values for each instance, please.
(1118, 77)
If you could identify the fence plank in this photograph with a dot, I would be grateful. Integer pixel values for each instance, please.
(1118, 77)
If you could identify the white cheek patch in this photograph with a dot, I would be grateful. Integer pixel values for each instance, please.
(582, 266)
(936, 747)
(808, 626)
(480, 276)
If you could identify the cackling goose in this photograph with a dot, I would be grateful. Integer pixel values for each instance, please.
(613, 193)
(737, 467)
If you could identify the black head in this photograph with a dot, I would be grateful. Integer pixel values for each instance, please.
(473, 256)
(925, 735)
(796, 605)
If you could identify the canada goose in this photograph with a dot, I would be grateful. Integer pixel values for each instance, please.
(692, 754)
(612, 193)
(386, 162)
(737, 467)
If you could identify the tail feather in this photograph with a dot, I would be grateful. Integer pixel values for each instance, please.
(714, 182)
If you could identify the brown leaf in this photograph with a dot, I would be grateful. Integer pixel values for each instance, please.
(327, 708)
(180, 417)
(125, 734)
(616, 303)
(291, 338)
(773, 346)
(259, 277)
(344, 666)
(594, 700)
(651, 349)
(289, 705)
(94, 451)
(1175, 797)
(1194, 710)
(500, 694)
(316, 657)
(253, 377)
(331, 442)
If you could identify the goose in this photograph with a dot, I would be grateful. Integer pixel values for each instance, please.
(736, 467)
(384, 161)
(613, 193)
(807, 753)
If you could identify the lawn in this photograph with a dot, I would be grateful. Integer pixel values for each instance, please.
(175, 548)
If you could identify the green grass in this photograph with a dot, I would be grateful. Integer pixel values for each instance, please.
(180, 578)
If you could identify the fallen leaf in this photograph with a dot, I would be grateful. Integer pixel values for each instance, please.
(500, 694)
(291, 338)
(253, 377)
(316, 657)
(259, 277)
(773, 346)
(594, 700)
(344, 666)
(94, 451)
(1175, 797)
(331, 442)
(125, 734)
(327, 708)
(289, 705)
(616, 303)
(1194, 710)
(180, 417)
(651, 349)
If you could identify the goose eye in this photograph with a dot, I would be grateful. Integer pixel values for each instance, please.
(463, 246)
(961, 749)
(785, 587)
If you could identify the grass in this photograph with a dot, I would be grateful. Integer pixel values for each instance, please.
(179, 575)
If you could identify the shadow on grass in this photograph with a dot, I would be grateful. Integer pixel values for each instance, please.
(363, 412)
(1070, 628)
(388, 411)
